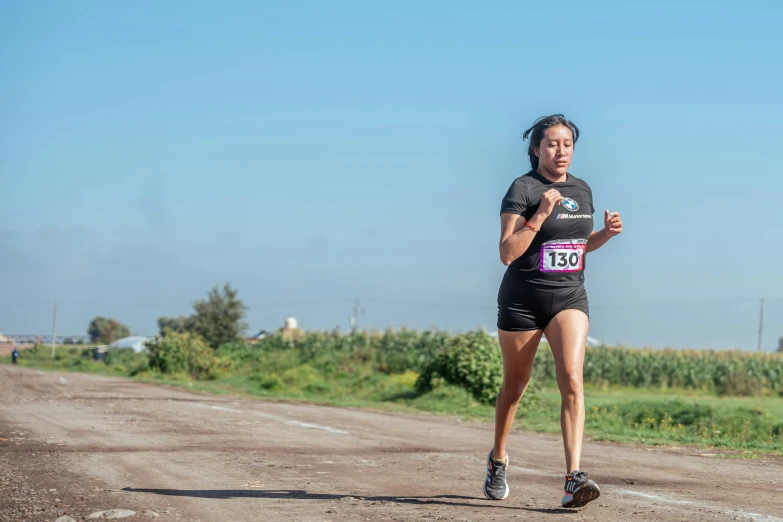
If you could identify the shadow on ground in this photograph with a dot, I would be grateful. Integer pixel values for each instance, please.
(298, 494)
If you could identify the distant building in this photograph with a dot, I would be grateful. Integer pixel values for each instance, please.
(291, 329)
(257, 337)
(6, 340)
(138, 343)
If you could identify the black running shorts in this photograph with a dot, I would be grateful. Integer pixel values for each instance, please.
(529, 306)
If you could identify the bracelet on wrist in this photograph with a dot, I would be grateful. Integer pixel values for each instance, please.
(531, 227)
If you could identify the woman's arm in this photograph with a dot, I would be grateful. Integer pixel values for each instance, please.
(613, 225)
(597, 240)
(515, 237)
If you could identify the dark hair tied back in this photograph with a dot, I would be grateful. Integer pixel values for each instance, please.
(536, 133)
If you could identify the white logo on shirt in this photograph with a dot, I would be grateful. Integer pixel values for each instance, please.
(570, 204)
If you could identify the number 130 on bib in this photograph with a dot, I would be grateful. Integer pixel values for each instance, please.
(562, 256)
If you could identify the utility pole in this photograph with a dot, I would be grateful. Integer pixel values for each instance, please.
(761, 323)
(54, 327)
(355, 317)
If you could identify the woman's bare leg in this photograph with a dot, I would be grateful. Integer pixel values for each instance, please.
(567, 336)
(519, 352)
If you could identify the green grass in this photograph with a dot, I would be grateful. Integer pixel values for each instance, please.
(744, 424)
(730, 426)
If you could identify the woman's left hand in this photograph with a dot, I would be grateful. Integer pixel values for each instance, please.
(612, 223)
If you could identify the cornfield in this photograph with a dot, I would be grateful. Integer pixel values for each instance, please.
(722, 372)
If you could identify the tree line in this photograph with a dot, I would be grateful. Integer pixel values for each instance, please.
(218, 319)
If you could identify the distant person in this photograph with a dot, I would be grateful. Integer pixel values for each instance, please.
(546, 220)
(14, 355)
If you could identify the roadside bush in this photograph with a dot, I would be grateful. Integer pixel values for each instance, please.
(739, 383)
(183, 353)
(405, 350)
(471, 361)
(300, 376)
(125, 357)
(272, 383)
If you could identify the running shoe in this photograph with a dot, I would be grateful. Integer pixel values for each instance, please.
(495, 485)
(579, 490)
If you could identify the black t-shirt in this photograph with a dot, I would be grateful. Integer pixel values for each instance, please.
(556, 256)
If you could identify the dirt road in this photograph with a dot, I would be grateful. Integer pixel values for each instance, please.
(75, 444)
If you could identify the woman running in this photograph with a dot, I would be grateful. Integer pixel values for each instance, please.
(546, 221)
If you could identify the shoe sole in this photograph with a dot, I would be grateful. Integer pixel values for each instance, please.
(508, 490)
(584, 495)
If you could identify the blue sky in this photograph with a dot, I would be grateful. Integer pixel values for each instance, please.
(313, 153)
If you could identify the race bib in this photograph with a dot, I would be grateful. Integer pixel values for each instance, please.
(564, 255)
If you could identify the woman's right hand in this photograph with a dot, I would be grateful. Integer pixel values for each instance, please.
(548, 201)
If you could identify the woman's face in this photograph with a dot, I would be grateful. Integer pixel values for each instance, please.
(555, 149)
